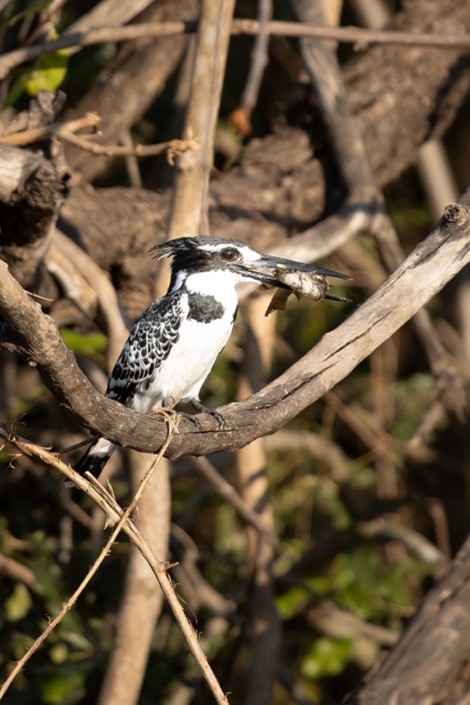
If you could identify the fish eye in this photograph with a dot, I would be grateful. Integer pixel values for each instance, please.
(230, 254)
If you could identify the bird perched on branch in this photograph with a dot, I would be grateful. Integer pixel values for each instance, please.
(174, 344)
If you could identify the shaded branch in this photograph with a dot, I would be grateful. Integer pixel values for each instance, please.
(32, 190)
(351, 35)
(439, 637)
(114, 513)
(423, 274)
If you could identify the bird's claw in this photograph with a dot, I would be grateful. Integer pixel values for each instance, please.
(198, 406)
(191, 417)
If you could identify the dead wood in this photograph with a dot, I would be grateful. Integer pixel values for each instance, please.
(427, 269)
(123, 91)
(32, 189)
(430, 663)
(279, 188)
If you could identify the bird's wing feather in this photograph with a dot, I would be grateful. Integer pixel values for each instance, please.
(147, 346)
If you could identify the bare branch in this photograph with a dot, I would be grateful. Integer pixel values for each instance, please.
(423, 274)
(439, 636)
(45, 132)
(112, 510)
(351, 35)
(230, 495)
(191, 186)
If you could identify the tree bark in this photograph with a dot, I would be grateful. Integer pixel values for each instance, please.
(427, 269)
(430, 663)
(32, 190)
(124, 90)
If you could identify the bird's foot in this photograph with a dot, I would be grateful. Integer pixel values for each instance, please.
(170, 416)
(191, 417)
(201, 408)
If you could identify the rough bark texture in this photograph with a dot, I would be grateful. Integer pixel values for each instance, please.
(427, 269)
(430, 665)
(403, 98)
(32, 189)
(400, 98)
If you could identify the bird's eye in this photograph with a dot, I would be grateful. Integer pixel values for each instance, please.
(230, 254)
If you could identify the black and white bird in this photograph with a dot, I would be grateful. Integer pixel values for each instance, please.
(174, 344)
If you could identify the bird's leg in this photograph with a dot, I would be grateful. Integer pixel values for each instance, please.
(201, 408)
(169, 414)
(167, 409)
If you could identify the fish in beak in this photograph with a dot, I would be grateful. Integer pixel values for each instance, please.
(290, 277)
(270, 270)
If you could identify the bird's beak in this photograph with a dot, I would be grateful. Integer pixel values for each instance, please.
(266, 270)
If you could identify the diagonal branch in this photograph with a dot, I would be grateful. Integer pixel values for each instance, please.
(421, 276)
(114, 513)
(67, 606)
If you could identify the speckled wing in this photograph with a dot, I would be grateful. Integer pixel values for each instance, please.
(147, 346)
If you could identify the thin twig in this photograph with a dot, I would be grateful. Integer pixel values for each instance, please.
(66, 132)
(230, 495)
(67, 606)
(259, 60)
(138, 150)
(37, 134)
(352, 35)
(113, 511)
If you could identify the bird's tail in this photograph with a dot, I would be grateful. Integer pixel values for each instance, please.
(95, 457)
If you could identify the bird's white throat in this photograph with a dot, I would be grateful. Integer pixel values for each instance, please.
(218, 283)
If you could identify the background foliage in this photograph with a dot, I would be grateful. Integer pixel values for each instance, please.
(345, 582)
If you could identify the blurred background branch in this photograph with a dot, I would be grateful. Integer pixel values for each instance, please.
(302, 558)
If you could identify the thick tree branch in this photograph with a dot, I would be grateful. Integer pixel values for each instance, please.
(438, 636)
(32, 190)
(423, 274)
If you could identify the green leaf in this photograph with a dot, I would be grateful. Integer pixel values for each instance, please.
(291, 602)
(18, 604)
(47, 73)
(85, 345)
(326, 657)
(65, 686)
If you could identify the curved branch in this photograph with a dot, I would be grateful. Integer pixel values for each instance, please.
(423, 274)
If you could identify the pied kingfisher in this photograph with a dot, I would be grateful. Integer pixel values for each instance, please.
(174, 344)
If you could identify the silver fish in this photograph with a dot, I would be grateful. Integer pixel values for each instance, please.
(308, 285)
